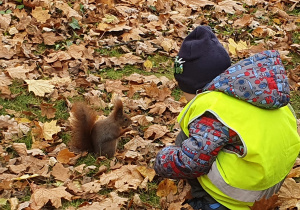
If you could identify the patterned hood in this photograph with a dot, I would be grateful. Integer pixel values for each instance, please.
(260, 80)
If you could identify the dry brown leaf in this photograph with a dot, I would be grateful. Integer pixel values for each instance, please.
(50, 38)
(18, 72)
(4, 80)
(156, 131)
(230, 6)
(60, 172)
(289, 194)
(115, 86)
(40, 15)
(20, 148)
(67, 10)
(166, 187)
(91, 187)
(64, 156)
(265, 204)
(48, 110)
(41, 196)
(243, 22)
(5, 20)
(123, 179)
(136, 142)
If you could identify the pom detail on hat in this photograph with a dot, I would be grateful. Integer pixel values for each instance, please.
(200, 59)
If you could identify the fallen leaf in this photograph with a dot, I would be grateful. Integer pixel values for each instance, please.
(60, 172)
(41, 196)
(155, 131)
(40, 14)
(147, 172)
(39, 87)
(166, 187)
(64, 156)
(49, 129)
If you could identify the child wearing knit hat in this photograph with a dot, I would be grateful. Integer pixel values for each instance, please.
(239, 136)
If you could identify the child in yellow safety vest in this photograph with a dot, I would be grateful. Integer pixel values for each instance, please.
(239, 136)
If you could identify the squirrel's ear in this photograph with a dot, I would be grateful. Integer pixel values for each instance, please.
(118, 109)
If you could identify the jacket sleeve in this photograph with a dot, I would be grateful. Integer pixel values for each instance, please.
(194, 157)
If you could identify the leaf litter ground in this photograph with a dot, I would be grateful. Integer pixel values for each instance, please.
(53, 53)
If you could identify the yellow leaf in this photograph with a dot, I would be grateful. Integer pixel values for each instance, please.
(39, 87)
(22, 120)
(277, 21)
(102, 26)
(234, 47)
(146, 172)
(26, 176)
(166, 187)
(148, 65)
(40, 15)
(50, 129)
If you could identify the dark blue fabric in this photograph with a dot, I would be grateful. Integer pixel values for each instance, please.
(200, 59)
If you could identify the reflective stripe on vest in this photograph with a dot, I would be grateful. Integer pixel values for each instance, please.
(269, 136)
(240, 194)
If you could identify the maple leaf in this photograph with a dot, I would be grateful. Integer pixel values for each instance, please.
(41, 196)
(235, 47)
(40, 15)
(39, 87)
(265, 204)
(289, 194)
(50, 129)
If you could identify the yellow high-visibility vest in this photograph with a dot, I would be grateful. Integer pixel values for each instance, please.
(271, 146)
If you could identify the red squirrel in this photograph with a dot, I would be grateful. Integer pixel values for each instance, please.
(98, 136)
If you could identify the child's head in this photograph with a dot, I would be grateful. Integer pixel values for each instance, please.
(201, 58)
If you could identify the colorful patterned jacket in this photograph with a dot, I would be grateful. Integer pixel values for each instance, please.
(261, 81)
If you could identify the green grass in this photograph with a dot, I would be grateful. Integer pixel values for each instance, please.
(150, 196)
(295, 102)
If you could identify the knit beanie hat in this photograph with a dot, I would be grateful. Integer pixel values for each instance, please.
(200, 59)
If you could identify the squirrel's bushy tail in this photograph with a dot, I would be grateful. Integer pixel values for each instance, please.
(82, 122)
